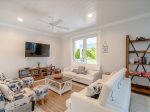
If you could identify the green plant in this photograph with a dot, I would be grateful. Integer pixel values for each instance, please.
(38, 63)
(90, 53)
(77, 54)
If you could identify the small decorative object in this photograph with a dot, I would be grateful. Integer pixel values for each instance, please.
(135, 60)
(107, 73)
(140, 60)
(144, 60)
(148, 61)
(140, 38)
(58, 76)
(38, 63)
(146, 74)
(135, 73)
(105, 47)
(131, 60)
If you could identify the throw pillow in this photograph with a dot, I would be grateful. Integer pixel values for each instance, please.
(15, 85)
(81, 70)
(75, 71)
(93, 91)
(8, 94)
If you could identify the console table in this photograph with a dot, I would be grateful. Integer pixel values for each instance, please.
(38, 73)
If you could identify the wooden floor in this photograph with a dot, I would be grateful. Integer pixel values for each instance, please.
(57, 103)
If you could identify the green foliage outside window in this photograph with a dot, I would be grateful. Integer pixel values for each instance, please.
(77, 54)
(90, 53)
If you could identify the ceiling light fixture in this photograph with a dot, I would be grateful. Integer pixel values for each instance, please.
(90, 15)
(20, 19)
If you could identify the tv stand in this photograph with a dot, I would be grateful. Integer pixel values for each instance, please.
(38, 73)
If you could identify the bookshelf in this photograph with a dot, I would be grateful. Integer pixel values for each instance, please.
(140, 54)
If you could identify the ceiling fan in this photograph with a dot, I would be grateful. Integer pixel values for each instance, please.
(55, 24)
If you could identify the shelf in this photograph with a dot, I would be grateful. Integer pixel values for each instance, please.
(141, 89)
(132, 75)
(140, 64)
(134, 41)
(139, 51)
(144, 89)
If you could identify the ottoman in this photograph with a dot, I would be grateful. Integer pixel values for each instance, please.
(41, 92)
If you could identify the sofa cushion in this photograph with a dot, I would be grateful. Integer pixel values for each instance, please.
(86, 77)
(75, 71)
(69, 74)
(8, 94)
(106, 77)
(109, 87)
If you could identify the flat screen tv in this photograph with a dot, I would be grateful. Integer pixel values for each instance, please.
(36, 49)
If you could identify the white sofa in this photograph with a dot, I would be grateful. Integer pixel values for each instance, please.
(114, 96)
(93, 74)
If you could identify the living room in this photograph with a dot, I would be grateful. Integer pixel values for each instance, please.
(69, 56)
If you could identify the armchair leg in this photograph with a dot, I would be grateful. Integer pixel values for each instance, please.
(33, 105)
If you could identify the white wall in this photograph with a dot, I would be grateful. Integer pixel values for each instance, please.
(66, 52)
(12, 50)
(115, 38)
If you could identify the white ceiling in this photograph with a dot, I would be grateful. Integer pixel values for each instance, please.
(73, 12)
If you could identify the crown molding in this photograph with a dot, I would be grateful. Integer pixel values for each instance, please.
(99, 27)
(80, 31)
(27, 29)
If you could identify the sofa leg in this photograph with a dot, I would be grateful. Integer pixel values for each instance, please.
(33, 105)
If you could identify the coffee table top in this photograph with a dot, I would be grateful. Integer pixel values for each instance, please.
(62, 80)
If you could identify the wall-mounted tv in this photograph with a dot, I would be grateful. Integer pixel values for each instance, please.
(36, 50)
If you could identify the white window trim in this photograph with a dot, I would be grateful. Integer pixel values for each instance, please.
(87, 35)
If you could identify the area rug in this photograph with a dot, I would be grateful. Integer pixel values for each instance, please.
(139, 103)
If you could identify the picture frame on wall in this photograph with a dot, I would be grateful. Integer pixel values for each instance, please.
(105, 47)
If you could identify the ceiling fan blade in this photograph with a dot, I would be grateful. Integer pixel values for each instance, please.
(57, 22)
(43, 21)
(62, 27)
(46, 22)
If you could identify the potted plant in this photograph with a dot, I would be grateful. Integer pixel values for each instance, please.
(38, 63)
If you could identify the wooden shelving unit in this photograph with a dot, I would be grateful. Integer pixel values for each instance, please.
(139, 51)
(139, 64)
(135, 41)
(135, 87)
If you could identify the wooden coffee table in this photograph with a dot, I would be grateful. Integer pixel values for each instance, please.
(59, 86)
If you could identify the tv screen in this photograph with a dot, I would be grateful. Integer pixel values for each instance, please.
(36, 50)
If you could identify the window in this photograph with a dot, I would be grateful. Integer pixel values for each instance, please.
(85, 50)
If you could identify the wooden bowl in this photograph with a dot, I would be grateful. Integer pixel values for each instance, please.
(58, 76)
